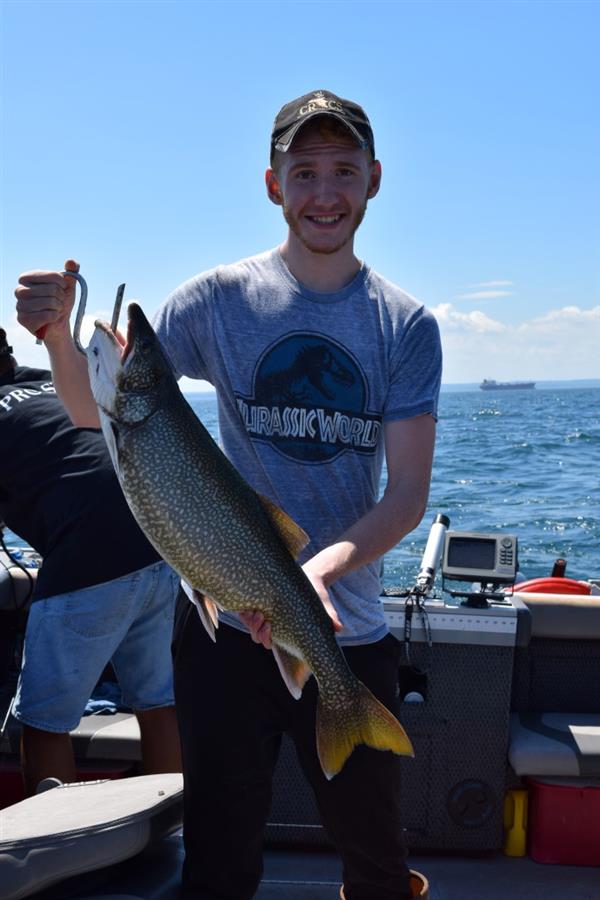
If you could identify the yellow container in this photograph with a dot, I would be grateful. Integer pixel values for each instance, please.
(515, 823)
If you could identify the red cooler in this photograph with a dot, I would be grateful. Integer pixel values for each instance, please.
(564, 821)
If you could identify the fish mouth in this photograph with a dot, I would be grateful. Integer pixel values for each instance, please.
(124, 346)
(135, 329)
(104, 356)
(130, 340)
(112, 358)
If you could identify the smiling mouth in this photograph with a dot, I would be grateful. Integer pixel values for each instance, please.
(325, 220)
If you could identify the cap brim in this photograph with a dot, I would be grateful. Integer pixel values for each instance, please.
(284, 142)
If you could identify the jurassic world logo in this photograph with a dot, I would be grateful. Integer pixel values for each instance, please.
(309, 402)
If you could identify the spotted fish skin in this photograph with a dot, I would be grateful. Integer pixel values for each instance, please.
(231, 545)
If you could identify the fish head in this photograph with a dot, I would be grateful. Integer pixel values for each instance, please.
(126, 380)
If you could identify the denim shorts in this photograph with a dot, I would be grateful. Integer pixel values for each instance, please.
(71, 637)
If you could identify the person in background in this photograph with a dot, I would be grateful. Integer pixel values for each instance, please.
(323, 369)
(102, 593)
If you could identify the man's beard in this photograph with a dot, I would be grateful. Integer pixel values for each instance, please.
(294, 226)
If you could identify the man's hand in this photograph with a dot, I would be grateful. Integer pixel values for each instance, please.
(260, 629)
(44, 304)
(318, 582)
(45, 301)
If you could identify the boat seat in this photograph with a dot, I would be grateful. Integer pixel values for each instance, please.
(555, 744)
(561, 743)
(77, 828)
(108, 737)
(563, 616)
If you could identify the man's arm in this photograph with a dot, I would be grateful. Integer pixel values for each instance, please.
(45, 300)
(409, 445)
(72, 382)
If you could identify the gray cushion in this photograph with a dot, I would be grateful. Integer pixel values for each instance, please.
(563, 616)
(108, 737)
(559, 744)
(77, 828)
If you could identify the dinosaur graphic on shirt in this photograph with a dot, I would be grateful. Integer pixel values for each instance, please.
(313, 376)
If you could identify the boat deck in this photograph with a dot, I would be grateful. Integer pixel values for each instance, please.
(315, 875)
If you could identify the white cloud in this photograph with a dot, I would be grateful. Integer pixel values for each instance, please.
(484, 295)
(561, 344)
(453, 320)
(195, 386)
(491, 284)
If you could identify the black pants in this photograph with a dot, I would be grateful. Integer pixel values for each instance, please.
(233, 707)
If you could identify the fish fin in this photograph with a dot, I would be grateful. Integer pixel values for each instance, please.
(294, 671)
(207, 610)
(294, 537)
(368, 722)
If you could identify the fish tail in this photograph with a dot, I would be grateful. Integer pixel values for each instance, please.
(366, 721)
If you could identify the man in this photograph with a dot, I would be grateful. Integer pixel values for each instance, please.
(321, 368)
(102, 592)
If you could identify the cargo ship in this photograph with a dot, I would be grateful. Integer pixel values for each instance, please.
(488, 384)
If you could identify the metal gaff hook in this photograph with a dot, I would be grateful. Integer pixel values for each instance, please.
(80, 308)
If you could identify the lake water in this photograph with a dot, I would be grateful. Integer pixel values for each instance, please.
(524, 462)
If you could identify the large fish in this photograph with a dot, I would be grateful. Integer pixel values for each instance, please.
(235, 548)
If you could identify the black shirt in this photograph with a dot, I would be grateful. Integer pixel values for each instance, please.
(59, 491)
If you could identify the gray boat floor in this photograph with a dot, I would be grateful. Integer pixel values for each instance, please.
(312, 877)
(315, 875)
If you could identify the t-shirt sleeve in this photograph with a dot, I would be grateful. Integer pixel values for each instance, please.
(415, 369)
(184, 327)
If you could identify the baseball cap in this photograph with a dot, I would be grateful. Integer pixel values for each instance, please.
(291, 117)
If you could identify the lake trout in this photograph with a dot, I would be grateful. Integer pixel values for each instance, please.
(235, 548)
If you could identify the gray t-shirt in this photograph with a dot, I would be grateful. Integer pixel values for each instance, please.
(305, 382)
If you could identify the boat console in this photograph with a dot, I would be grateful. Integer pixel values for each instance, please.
(499, 625)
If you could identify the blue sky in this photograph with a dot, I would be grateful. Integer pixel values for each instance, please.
(135, 138)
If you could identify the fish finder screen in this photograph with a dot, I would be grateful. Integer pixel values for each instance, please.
(470, 553)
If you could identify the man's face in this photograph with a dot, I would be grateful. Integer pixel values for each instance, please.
(323, 185)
